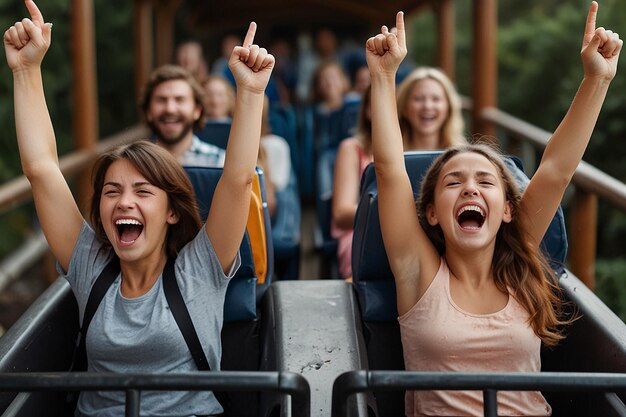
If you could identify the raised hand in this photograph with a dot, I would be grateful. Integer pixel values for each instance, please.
(385, 51)
(26, 42)
(600, 48)
(250, 64)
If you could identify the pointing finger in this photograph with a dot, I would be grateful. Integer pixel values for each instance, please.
(590, 24)
(35, 13)
(401, 33)
(249, 39)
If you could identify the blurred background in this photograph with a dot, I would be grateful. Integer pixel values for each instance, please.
(539, 71)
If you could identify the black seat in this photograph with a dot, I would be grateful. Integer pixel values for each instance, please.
(241, 349)
(215, 133)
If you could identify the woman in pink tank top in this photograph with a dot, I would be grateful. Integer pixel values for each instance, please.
(353, 156)
(474, 291)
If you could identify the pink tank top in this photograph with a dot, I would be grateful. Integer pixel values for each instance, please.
(438, 336)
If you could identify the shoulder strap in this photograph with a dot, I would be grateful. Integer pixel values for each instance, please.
(99, 289)
(182, 317)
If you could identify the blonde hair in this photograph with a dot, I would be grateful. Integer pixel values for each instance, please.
(230, 91)
(452, 130)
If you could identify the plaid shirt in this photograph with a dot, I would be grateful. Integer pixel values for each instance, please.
(203, 154)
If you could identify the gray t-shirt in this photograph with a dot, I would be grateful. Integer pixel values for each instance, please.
(140, 334)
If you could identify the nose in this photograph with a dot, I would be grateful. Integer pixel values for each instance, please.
(126, 201)
(470, 190)
(170, 106)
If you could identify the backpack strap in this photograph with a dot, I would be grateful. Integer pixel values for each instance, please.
(182, 317)
(174, 300)
(99, 289)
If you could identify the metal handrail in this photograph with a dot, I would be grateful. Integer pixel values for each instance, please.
(289, 383)
(354, 382)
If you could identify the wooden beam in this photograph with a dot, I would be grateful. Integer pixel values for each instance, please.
(582, 229)
(484, 64)
(84, 88)
(165, 17)
(444, 10)
(143, 46)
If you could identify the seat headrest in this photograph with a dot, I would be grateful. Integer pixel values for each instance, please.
(215, 133)
(369, 259)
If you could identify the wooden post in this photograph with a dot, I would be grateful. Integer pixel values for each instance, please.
(446, 35)
(484, 64)
(165, 16)
(84, 87)
(143, 46)
(582, 229)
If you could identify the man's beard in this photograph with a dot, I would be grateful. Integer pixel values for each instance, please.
(170, 140)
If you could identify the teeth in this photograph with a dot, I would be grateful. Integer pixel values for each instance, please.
(128, 221)
(473, 208)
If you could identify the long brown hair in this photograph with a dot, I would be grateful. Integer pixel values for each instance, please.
(364, 121)
(452, 130)
(162, 170)
(519, 266)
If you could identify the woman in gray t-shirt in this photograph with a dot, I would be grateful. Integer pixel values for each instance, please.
(143, 211)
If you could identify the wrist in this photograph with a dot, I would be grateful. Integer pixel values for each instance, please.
(250, 95)
(598, 80)
(27, 73)
(383, 78)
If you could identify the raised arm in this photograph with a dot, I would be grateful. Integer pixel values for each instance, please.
(410, 252)
(251, 67)
(600, 53)
(25, 44)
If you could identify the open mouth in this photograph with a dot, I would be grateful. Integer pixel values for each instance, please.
(471, 217)
(128, 230)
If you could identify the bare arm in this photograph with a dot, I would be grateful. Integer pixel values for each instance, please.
(226, 223)
(600, 53)
(25, 44)
(346, 182)
(412, 257)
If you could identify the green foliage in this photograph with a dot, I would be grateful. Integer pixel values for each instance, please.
(611, 284)
(539, 64)
(115, 66)
(117, 109)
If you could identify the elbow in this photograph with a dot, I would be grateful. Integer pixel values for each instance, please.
(36, 171)
(238, 178)
(344, 218)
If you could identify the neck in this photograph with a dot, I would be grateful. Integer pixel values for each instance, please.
(420, 141)
(471, 268)
(138, 277)
(334, 102)
(179, 148)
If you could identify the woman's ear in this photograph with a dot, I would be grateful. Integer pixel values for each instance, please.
(172, 217)
(507, 216)
(431, 216)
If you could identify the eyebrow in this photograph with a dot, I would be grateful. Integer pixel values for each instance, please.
(135, 184)
(459, 174)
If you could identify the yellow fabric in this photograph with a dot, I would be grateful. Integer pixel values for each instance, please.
(256, 231)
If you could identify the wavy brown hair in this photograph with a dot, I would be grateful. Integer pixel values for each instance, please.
(519, 266)
(162, 170)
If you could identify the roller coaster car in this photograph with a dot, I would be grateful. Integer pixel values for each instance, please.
(323, 328)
